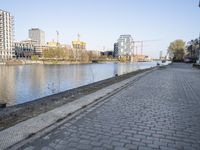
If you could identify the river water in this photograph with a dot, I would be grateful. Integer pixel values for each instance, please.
(23, 83)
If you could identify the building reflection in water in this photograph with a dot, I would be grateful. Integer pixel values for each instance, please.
(121, 68)
(7, 85)
(23, 83)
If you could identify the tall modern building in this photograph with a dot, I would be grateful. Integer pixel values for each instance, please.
(37, 35)
(115, 54)
(6, 35)
(125, 45)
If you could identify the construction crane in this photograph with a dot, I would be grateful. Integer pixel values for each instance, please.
(142, 44)
(57, 33)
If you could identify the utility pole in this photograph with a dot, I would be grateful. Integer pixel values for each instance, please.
(199, 44)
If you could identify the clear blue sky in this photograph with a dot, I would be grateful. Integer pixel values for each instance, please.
(100, 22)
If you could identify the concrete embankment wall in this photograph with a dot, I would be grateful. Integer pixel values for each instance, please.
(14, 114)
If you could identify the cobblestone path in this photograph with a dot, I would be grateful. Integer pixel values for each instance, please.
(159, 111)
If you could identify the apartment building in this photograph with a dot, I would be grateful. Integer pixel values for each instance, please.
(37, 35)
(6, 35)
(124, 45)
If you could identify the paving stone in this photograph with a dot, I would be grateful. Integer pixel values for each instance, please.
(96, 143)
(29, 148)
(144, 148)
(84, 147)
(46, 148)
(120, 148)
(107, 146)
(117, 144)
(131, 146)
(98, 148)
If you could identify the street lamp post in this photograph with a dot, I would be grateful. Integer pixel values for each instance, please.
(199, 41)
(199, 50)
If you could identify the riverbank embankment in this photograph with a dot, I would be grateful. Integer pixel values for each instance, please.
(14, 114)
(56, 62)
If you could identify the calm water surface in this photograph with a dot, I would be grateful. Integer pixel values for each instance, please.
(23, 83)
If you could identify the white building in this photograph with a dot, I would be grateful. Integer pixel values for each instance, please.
(37, 35)
(6, 35)
(125, 45)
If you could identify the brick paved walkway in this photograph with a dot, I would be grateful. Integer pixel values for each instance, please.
(159, 111)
